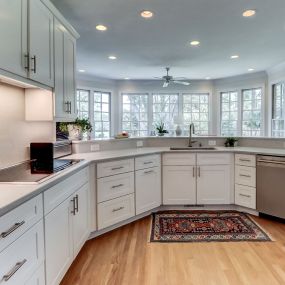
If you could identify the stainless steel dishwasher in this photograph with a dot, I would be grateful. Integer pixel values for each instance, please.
(271, 185)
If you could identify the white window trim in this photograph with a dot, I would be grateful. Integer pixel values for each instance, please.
(239, 89)
(180, 104)
(91, 91)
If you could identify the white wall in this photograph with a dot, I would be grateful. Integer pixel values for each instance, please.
(16, 133)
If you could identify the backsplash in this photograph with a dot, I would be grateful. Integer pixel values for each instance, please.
(16, 133)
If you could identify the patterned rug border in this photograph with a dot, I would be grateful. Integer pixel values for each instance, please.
(266, 234)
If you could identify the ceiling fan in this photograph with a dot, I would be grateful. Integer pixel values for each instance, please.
(170, 79)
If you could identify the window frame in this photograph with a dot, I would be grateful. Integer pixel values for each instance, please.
(239, 89)
(91, 91)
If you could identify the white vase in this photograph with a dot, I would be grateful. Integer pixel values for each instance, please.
(74, 132)
(178, 131)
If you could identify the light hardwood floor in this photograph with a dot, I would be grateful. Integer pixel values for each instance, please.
(125, 257)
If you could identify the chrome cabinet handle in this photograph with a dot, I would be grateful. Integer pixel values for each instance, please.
(67, 107)
(148, 162)
(199, 171)
(148, 172)
(73, 211)
(117, 168)
(76, 203)
(244, 175)
(12, 229)
(117, 186)
(17, 266)
(118, 209)
(27, 61)
(70, 107)
(193, 174)
(243, 195)
(34, 59)
(244, 159)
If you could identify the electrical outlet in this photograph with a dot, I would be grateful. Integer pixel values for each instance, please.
(95, 147)
(139, 143)
(212, 142)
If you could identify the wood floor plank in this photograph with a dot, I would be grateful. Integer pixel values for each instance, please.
(125, 256)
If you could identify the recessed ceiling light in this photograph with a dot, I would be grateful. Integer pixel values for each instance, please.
(194, 43)
(249, 13)
(101, 28)
(127, 78)
(251, 69)
(235, 56)
(208, 78)
(147, 14)
(112, 57)
(81, 70)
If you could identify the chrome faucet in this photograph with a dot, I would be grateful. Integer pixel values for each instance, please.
(191, 131)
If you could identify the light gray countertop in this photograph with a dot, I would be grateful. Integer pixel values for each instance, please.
(12, 195)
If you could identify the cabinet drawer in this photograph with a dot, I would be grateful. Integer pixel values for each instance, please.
(179, 159)
(19, 260)
(61, 191)
(245, 196)
(245, 159)
(214, 158)
(115, 211)
(245, 175)
(115, 186)
(147, 161)
(16, 222)
(115, 167)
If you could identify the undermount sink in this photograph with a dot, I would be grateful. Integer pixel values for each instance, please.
(192, 148)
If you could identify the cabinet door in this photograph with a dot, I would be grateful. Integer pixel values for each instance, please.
(81, 218)
(58, 237)
(41, 43)
(38, 277)
(179, 185)
(61, 107)
(69, 72)
(213, 184)
(148, 189)
(13, 34)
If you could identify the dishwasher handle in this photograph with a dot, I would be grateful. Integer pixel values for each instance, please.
(271, 161)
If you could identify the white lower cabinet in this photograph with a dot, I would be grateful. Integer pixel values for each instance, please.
(179, 185)
(38, 277)
(213, 184)
(245, 196)
(115, 211)
(23, 257)
(148, 189)
(66, 230)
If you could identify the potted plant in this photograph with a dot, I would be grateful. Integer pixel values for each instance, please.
(231, 142)
(160, 129)
(76, 129)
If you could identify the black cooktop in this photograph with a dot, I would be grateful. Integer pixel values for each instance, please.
(22, 173)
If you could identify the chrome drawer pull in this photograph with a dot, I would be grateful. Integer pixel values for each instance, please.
(148, 172)
(12, 229)
(244, 175)
(18, 265)
(117, 186)
(118, 209)
(148, 162)
(117, 168)
(243, 195)
(245, 160)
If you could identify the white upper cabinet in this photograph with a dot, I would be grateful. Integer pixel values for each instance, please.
(41, 43)
(13, 33)
(64, 88)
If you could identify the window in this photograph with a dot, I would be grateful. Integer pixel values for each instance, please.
(229, 113)
(97, 109)
(135, 114)
(196, 110)
(251, 112)
(82, 99)
(278, 110)
(101, 117)
(165, 108)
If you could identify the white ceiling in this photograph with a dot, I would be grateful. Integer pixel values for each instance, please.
(145, 47)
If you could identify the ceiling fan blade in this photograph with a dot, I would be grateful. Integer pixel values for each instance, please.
(165, 84)
(182, 82)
